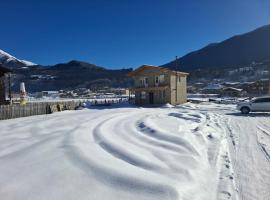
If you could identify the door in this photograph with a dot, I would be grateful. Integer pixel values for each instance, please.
(261, 104)
(151, 97)
(267, 104)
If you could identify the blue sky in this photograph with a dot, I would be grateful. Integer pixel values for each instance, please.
(122, 33)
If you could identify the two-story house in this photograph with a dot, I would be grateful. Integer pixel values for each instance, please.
(157, 85)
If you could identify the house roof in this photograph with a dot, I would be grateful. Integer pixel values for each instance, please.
(142, 68)
(232, 88)
(213, 86)
(4, 70)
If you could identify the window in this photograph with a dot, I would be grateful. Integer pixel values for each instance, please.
(143, 95)
(179, 78)
(262, 100)
(146, 81)
(257, 101)
(143, 81)
(156, 80)
(161, 78)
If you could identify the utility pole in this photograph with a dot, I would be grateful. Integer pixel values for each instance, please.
(176, 79)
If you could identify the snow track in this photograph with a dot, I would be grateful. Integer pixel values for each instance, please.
(188, 152)
(251, 161)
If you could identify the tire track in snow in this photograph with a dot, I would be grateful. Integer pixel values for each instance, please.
(251, 165)
(263, 134)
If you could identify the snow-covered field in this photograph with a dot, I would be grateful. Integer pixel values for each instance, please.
(200, 152)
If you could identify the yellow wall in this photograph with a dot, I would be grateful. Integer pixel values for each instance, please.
(170, 92)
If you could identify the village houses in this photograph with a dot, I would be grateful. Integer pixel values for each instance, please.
(157, 85)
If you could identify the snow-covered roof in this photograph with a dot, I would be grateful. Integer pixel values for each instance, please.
(199, 83)
(232, 83)
(232, 88)
(249, 82)
(213, 86)
(264, 79)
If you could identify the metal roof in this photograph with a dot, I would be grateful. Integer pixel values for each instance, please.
(147, 67)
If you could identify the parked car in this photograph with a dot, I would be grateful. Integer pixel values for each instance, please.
(260, 104)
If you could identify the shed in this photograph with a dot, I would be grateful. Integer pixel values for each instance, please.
(3, 88)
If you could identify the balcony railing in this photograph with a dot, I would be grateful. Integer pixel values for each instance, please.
(152, 85)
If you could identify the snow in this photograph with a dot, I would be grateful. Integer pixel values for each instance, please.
(167, 105)
(192, 151)
(232, 83)
(8, 58)
(233, 88)
(87, 100)
(5, 54)
(214, 87)
(28, 63)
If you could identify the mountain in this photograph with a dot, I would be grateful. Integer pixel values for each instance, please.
(75, 65)
(70, 75)
(235, 52)
(12, 62)
(75, 74)
(250, 53)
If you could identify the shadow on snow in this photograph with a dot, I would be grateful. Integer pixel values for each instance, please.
(253, 114)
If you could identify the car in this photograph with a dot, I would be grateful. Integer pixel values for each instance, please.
(259, 104)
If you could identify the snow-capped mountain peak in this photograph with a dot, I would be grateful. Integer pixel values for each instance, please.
(9, 60)
(4, 54)
(28, 63)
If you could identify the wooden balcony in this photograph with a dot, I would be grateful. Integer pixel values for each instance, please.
(150, 87)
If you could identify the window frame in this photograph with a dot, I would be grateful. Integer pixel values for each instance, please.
(143, 95)
(143, 81)
(161, 78)
(262, 100)
(156, 79)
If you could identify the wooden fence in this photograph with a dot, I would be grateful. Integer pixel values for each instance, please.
(41, 108)
(38, 108)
